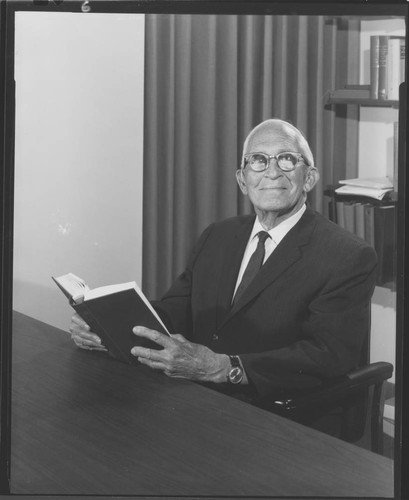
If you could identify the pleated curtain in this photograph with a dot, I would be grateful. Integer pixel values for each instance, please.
(209, 79)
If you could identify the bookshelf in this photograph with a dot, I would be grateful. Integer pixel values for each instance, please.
(372, 125)
(371, 147)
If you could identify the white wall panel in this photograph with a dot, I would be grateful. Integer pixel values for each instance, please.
(78, 161)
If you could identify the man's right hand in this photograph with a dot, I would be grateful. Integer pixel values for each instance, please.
(82, 335)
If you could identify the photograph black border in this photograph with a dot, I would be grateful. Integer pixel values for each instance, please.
(8, 8)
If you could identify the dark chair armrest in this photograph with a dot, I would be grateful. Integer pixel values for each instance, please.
(334, 391)
(346, 397)
(371, 374)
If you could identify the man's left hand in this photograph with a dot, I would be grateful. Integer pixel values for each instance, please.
(180, 358)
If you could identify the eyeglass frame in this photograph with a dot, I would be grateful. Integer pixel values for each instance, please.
(270, 157)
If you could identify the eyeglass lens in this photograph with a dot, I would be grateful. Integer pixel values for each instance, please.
(286, 161)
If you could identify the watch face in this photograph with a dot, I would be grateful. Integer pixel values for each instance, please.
(235, 375)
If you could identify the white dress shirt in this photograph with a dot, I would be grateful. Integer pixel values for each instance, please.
(276, 235)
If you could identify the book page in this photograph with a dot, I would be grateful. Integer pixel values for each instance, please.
(108, 290)
(72, 286)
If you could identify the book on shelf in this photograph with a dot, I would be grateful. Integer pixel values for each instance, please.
(111, 312)
(349, 216)
(360, 220)
(382, 68)
(374, 66)
(369, 220)
(384, 242)
(351, 92)
(340, 214)
(387, 66)
(376, 225)
(395, 76)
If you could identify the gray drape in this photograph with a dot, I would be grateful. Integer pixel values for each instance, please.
(209, 80)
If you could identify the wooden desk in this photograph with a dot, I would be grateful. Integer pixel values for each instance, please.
(83, 423)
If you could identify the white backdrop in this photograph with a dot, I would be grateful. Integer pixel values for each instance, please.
(78, 161)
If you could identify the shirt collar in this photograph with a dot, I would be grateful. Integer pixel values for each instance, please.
(278, 232)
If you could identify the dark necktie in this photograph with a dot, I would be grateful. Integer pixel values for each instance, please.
(254, 264)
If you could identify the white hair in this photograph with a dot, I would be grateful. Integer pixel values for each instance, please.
(286, 130)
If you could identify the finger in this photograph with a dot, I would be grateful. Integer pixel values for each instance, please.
(88, 348)
(147, 333)
(146, 353)
(89, 336)
(86, 344)
(152, 364)
(76, 318)
(93, 348)
(179, 337)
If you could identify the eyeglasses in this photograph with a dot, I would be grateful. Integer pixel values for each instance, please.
(260, 161)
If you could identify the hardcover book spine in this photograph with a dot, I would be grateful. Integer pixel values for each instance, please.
(383, 63)
(360, 220)
(349, 216)
(340, 213)
(369, 224)
(393, 68)
(402, 59)
(384, 225)
(374, 61)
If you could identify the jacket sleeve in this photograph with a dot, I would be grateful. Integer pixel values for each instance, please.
(332, 333)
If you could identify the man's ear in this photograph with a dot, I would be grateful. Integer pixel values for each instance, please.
(311, 179)
(241, 181)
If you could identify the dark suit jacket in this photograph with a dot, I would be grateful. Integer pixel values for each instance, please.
(304, 317)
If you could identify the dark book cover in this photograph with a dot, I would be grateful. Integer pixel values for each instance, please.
(349, 216)
(384, 242)
(340, 213)
(369, 224)
(112, 318)
(112, 312)
(360, 220)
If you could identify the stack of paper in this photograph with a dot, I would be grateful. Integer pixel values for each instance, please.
(375, 187)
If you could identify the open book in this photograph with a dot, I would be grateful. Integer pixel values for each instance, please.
(111, 312)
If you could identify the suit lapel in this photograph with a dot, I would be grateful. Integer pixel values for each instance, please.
(232, 260)
(285, 255)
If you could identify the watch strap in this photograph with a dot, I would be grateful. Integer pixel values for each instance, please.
(234, 361)
(235, 374)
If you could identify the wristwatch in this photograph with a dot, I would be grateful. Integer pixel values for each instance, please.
(235, 374)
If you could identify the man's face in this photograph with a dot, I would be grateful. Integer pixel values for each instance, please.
(274, 190)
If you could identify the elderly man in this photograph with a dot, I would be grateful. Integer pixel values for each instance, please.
(269, 304)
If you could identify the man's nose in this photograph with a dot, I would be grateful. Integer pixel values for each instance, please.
(273, 170)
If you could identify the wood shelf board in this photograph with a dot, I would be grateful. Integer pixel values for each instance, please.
(363, 17)
(364, 102)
